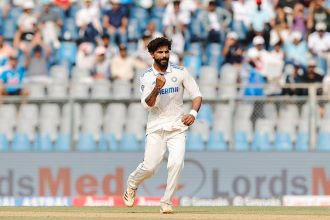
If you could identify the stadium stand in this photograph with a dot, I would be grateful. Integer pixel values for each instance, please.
(248, 105)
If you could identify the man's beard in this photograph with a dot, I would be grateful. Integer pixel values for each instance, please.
(161, 63)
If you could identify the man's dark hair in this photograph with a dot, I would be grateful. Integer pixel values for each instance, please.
(157, 43)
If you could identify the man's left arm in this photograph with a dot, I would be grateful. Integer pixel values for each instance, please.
(191, 86)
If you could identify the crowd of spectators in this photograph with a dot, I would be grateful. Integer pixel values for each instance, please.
(278, 42)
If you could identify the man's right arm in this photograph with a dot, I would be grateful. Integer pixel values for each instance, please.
(151, 99)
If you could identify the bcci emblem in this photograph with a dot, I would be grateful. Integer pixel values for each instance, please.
(174, 79)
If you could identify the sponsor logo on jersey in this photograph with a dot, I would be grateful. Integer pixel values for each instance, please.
(168, 90)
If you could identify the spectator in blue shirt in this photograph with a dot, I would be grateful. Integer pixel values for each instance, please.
(12, 77)
(115, 22)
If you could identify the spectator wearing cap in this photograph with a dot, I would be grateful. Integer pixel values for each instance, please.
(258, 53)
(123, 65)
(294, 77)
(50, 24)
(87, 20)
(312, 76)
(262, 15)
(115, 22)
(12, 76)
(232, 51)
(295, 49)
(319, 45)
(27, 22)
(85, 56)
(215, 21)
(101, 67)
(111, 50)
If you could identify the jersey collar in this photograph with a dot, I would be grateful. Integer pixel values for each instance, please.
(168, 70)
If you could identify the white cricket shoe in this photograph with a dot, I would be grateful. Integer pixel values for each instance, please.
(129, 197)
(166, 208)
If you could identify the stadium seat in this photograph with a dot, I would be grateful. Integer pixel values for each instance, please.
(323, 141)
(65, 126)
(114, 119)
(133, 30)
(216, 142)
(208, 91)
(208, 76)
(222, 120)
(193, 63)
(59, 73)
(283, 142)
(57, 90)
(195, 142)
(100, 89)
(27, 120)
(141, 15)
(241, 142)
(43, 143)
(108, 142)
(8, 120)
(4, 146)
(92, 119)
(67, 53)
(121, 89)
(214, 56)
(36, 90)
(79, 90)
(302, 142)
(62, 143)
(205, 114)
(21, 143)
(9, 28)
(195, 49)
(86, 142)
(129, 142)
(261, 142)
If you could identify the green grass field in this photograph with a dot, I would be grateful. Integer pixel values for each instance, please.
(181, 213)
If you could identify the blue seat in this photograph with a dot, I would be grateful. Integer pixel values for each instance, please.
(21, 143)
(214, 56)
(216, 141)
(261, 142)
(62, 143)
(241, 141)
(67, 53)
(195, 142)
(86, 142)
(323, 141)
(195, 48)
(70, 28)
(205, 114)
(108, 142)
(43, 143)
(9, 28)
(283, 142)
(302, 142)
(4, 146)
(141, 15)
(129, 142)
(133, 30)
(193, 63)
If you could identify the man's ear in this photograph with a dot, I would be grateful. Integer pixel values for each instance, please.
(152, 54)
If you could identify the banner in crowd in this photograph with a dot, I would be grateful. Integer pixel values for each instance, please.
(222, 178)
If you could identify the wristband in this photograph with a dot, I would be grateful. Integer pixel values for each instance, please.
(193, 113)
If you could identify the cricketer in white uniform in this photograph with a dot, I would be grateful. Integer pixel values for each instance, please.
(162, 88)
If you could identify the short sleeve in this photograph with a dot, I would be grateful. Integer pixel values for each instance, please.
(190, 85)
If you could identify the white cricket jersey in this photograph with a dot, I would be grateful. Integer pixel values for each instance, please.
(168, 110)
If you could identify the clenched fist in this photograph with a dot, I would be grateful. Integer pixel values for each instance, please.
(160, 81)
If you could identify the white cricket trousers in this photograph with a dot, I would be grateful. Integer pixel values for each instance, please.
(156, 145)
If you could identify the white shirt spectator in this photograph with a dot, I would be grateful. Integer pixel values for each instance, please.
(319, 44)
(87, 15)
(241, 12)
(85, 56)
